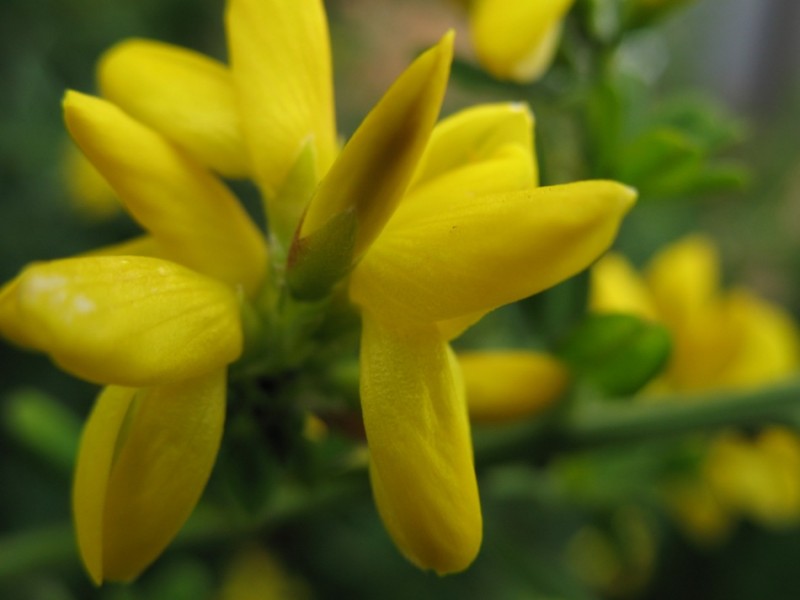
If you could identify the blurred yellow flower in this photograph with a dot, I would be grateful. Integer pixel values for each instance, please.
(721, 340)
(517, 39)
(503, 386)
(255, 575)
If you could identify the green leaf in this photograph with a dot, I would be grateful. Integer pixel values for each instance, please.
(618, 353)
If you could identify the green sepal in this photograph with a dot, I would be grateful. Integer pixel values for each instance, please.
(319, 261)
(618, 353)
(286, 209)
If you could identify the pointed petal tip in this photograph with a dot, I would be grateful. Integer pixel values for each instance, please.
(71, 98)
(75, 104)
(445, 46)
(625, 195)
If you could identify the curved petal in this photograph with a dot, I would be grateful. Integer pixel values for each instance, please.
(516, 39)
(281, 65)
(144, 459)
(92, 471)
(509, 385)
(375, 167)
(193, 216)
(185, 96)
(123, 320)
(421, 465)
(454, 258)
(616, 287)
(474, 134)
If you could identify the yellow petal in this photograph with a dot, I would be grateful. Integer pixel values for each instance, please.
(451, 259)
(281, 65)
(193, 216)
(516, 39)
(757, 477)
(616, 287)
(769, 348)
(474, 134)
(187, 97)
(684, 279)
(124, 320)
(375, 167)
(92, 470)
(88, 190)
(509, 385)
(509, 169)
(144, 459)
(415, 416)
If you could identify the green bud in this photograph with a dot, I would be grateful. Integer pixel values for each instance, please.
(618, 353)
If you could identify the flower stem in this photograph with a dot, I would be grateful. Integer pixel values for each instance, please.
(596, 423)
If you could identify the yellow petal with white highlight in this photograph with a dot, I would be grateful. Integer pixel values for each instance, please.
(475, 134)
(516, 39)
(375, 167)
(186, 96)
(195, 219)
(460, 256)
(421, 465)
(144, 459)
(124, 320)
(509, 385)
(281, 65)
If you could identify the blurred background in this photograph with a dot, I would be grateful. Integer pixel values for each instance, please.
(737, 59)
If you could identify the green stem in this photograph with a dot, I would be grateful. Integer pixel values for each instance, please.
(681, 414)
(581, 426)
(595, 423)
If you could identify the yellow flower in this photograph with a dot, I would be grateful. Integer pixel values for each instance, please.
(159, 334)
(451, 231)
(721, 340)
(517, 39)
(432, 227)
